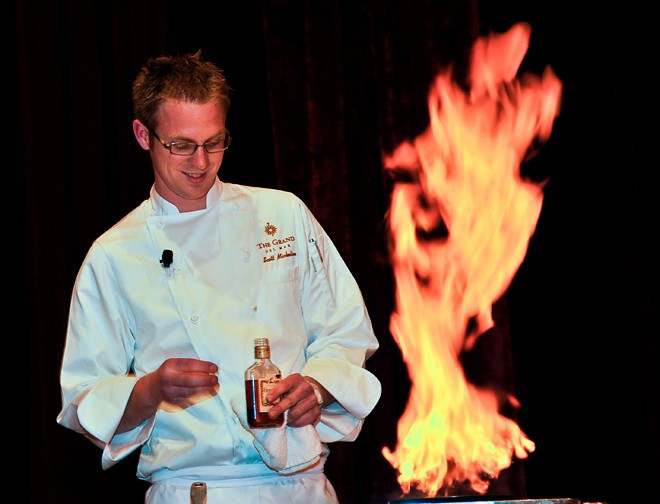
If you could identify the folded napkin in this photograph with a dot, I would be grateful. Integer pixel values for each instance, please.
(284, 449)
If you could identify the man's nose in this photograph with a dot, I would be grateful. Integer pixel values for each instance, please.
(200, 158)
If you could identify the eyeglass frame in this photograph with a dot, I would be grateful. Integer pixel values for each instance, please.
(168, 146)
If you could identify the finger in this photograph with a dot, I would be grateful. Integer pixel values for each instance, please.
(309, 417)
(187, 365)
(285, 387)
(296, 403)
(198, 380)
(187, 380)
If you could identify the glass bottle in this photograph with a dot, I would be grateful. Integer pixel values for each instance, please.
(260, 378)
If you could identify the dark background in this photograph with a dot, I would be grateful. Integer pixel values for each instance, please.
(322, 90)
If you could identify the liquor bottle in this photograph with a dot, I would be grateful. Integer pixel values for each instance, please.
(260, 378)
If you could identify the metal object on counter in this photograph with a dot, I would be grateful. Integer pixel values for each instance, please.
(198, 493)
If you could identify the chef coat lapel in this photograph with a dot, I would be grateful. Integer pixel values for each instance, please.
(168, 233)
(201, 263)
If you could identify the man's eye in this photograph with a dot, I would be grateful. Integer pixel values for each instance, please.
(182, 146)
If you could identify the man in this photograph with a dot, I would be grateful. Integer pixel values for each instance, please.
(168, 302)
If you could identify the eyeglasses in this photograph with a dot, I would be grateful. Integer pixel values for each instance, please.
(188, 149)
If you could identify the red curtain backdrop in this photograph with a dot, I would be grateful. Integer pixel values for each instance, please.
(322, 91)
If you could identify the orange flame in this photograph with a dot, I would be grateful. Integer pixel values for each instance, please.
(459, 233)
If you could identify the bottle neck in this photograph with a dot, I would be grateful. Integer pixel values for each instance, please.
(262, 352)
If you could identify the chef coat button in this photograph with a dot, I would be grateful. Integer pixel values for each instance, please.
(194, 319)
(254, 308)
(235, 207)
(246, 256)
(160, 224)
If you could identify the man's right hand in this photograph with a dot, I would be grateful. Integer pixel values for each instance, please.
(177, 384)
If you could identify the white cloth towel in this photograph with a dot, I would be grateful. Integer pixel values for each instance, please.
(284, 449)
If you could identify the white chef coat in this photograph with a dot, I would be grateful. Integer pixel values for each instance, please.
(254, 263)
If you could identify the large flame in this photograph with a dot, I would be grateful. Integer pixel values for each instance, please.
(460, 222)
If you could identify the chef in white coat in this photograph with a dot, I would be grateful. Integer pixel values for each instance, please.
(168, 302)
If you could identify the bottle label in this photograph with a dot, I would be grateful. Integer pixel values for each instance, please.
(265, 386)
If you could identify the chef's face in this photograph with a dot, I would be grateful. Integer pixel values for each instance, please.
(184, 180)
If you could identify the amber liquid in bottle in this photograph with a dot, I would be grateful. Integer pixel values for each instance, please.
(260, 378)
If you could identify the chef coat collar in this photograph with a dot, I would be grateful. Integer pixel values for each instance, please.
(163, 207)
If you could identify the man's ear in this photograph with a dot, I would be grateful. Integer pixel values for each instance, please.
(141, 133)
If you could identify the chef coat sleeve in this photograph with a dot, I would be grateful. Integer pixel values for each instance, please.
(341, 338)
(95, 376)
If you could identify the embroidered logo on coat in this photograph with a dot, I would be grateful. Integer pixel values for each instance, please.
(277, 248)
(270, 230)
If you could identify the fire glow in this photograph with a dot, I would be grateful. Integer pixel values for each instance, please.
(460, 222)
